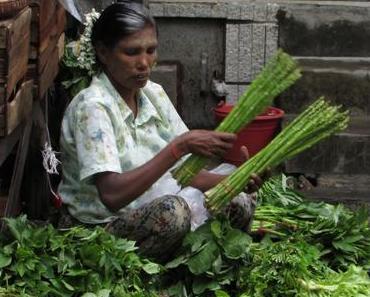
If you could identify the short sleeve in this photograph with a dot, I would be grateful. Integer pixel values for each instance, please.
(95, 140)
(175, 121)
(177, 125)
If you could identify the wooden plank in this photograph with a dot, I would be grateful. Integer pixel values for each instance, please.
(7, 143)
(43, 11)
(12, 29)
(2, 92)
(17, 65)
(14, 112)
(16, 39)
(61, 20)
(43, 18)
(3, 202)
(10, 8)
(48, 74)
(35, 177)
(50, 41)
(13, 205)
(46, 54)
(19, 107)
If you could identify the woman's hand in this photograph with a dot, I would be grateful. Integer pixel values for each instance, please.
(206, 143)
(256, 181)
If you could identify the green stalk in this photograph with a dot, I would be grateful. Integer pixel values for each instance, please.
(279, 73)
(317, 122)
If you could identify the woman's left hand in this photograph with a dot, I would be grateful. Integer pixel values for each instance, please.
(256, 180)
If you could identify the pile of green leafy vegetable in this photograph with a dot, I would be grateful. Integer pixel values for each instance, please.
(217, 260)
(342, 235)
(295, 248)
(48, 262)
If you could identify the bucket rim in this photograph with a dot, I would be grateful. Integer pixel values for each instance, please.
(270, 113)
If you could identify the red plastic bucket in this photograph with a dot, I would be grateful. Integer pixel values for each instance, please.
(254, 136)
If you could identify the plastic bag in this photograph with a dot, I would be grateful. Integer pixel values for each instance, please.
(167, 185)
(195, 198)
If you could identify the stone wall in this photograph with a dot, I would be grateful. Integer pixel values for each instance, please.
(331, 41)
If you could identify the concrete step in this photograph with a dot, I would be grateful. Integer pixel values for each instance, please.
(345, 153)
(324, 28)
(341, 80)
(351, 190)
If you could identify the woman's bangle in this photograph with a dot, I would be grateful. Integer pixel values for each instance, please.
(176, 153)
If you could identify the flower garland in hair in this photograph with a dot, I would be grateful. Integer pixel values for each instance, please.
(86, 57)
(79, 59)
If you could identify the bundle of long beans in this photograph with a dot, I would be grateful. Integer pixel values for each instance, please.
(317, 122)
(279, 73)
(267, 218)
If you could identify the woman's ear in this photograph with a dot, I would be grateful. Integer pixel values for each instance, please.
(101, 52)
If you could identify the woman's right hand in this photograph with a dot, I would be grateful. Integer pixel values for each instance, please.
(206, 143)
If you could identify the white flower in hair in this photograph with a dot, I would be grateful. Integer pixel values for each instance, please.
(86, 58)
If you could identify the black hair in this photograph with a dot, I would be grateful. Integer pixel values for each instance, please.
(120, 20)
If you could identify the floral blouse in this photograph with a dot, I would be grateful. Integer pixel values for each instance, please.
(99, 133)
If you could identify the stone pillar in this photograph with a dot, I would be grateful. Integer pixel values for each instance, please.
(251, 39)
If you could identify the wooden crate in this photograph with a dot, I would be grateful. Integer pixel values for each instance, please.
(47, 27)
(14, 50)
(9, 8)
(14, 112)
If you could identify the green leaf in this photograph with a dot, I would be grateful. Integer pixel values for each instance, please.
(216, 229)
(90, 255)
(342, 245)
(176, 290)
(5, 260)
(125, 245)
(151, 268)
(217, 264)
(67, 285)
(203, 261)
(103, 293)
(77, 272)
(236, 243)
(89, 294)
(196, 239)
(202, 284)
(21, 269)
(220, 293)
(91, 236)
(353, 238)
(176, 262)
(17, 226)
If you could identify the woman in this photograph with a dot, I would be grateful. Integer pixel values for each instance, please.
(120, 135)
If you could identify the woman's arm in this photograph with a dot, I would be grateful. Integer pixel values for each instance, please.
(205, 180)
(117, 190)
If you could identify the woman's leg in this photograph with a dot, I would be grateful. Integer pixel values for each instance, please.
(157, 227)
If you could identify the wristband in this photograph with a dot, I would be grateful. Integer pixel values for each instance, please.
(176, 153)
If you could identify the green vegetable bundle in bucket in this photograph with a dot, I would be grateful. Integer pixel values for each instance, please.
(317, 122)
(279, 73)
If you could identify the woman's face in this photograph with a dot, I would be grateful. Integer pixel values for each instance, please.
(129, 63)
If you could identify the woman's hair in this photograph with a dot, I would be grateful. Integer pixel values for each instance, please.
(118, 21)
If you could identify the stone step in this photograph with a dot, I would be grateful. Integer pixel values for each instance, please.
(345, 153)
(324, 28)
(351, 190)
(341, 80)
